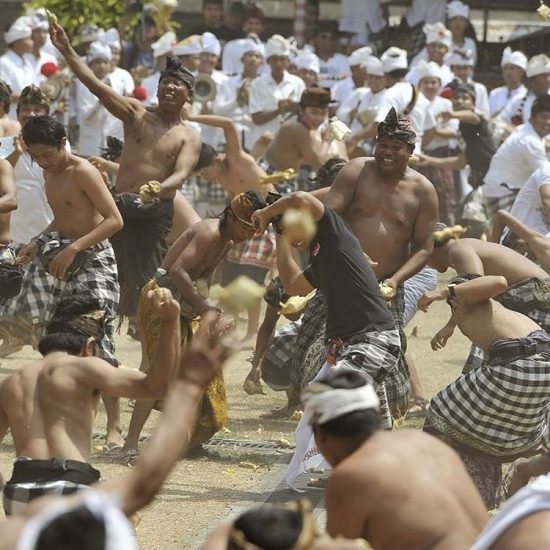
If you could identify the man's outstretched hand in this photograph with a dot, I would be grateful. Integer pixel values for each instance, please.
(209, 349)
(60, 39)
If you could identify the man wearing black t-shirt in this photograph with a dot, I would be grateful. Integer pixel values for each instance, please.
(360, 327)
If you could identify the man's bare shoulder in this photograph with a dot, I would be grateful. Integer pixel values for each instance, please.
(354, 167)
(421, 183)
(5, 166)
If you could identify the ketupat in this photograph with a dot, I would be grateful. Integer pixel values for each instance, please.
(544, 11)
(240, 294)
(338, 130)
(277, 177)
(149, 190)
(387, 291)
(298, 225)
(52, 18)
(296, 304)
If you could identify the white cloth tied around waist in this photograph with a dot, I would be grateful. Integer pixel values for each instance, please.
(324, 403)
(529, 500)
(119, 534)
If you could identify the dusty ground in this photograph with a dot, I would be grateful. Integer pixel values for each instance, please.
(200, 493)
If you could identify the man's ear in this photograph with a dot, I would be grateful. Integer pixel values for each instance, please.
(89, 347)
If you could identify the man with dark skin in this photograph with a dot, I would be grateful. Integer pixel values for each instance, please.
(158, 147)
(392, 210)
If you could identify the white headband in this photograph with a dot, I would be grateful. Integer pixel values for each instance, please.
(324, 403)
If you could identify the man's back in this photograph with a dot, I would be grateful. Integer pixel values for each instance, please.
(48, 412)
(411, 490)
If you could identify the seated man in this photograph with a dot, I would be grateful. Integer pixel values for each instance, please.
(94, 519)
(497, 412)
(403, 489)
(49, 405)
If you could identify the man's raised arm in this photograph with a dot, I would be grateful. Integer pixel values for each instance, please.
(119, 106)
(8, 195)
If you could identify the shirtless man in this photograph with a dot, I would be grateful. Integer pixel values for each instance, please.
(49, 406)
(74, 248)
(392, 210)
(306, 140)
(95, 518)
(186, 271)
(11, 276)
(402, 489)
(158, 146)
(8, 126)
(527, 282)
(498, 412)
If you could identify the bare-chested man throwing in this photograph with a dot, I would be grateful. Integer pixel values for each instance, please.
(392, 210)
(158, 146)
(49, 406)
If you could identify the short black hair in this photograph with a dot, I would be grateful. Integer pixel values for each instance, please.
(356, 423)
(77, 528)
(59, 335)
(44, 130)
(541, 105)
(5, 95)
(270, 527)
(397, 73)
(206, 157)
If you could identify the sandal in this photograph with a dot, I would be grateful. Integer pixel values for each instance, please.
(421, 406)
(111, 450)
(127, 458)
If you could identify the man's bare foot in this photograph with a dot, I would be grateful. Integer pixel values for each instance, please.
(517, 477)
(253, 387)
(115, 439)
(281, 413)
(126, 457)
(418, 407)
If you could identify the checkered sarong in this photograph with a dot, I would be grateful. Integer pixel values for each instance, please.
(501, 203)
(259, 251)
(499, 410)
(530, 297)
(98, 277)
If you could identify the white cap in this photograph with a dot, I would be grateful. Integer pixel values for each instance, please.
(462, 57)
(112, 38)
(98, 50)
(277, 45)
(307, 60)
(394, 58)
(38, 19)
(250, 44)
(189, 46)
(438, 33)
(210, 44)
(91, 33)
(513, 58)
(20, 29)
(374, 66)
(164, 44)
(358, 56)
(457, 9)
(427, 70)
(538, 64)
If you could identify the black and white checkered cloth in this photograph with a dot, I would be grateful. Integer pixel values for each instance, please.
(501, 203)
(501, 409)
(98, 277)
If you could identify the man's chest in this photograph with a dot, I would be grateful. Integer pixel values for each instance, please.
(63, 194)
(155, 143)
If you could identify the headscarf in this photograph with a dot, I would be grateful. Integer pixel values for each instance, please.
(398, 127)
(175, 69)
(33, 95)
(244, 205)
(89, 324)
(315, 97)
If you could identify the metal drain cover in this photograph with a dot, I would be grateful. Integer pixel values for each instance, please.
(248, 445)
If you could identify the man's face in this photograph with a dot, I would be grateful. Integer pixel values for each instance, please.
(48, 157)
(172, 92)
(208, 62)
(325, 42)
(252, 61)
(541, 123)
(101, 67)
(309, 77)
(278, 63)
(253, 25)
(238, 230)
(191, 62)
(463, 102)
(512, 75)
(212, 172)
(391, 154)
(457, 25)
(436, 52)
(212, 14)
(27, 111)
(540, 83)
(39, 37)
(359, 75)
(430, 87)
(464, 72)
(313, 117)
(376, 83)
(24, 45)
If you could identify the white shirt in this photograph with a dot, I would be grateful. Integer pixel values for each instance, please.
(501, 96)
(37, 64)
(226, 104)
(231, 57)
(528, 206)
(92, 120)
(122, 82)
(521, 104)
(427, 11)
(342, 90)
(361, 99)
(361, 19)
(422, 119)
(18, 73)
(151, 84)
(515, 160)
(333, 70)
(265, 95)
(446, 75)
(442, 105)
(468, 46)
(213, 136)
(482, 99)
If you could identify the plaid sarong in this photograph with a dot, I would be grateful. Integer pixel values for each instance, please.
(259, 251)
(40, 478)
(98, 277)
(501, 203)
(530, 297)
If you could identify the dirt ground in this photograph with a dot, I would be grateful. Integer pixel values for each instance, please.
(200, 493)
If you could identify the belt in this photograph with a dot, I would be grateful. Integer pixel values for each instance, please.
(518, 349)
(53, 469)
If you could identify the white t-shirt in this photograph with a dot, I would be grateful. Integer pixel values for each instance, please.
(427, 11)
(232, 54)
(123, 83)
(360, 99)
(482, 99)
(500, 97)
(469, 46)
(515, 160)
(37, 64)
(442, 105)
(18, 72)
(528, 207)
(333, 70)
(342, 90)
(265, 95)
(151, 84)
